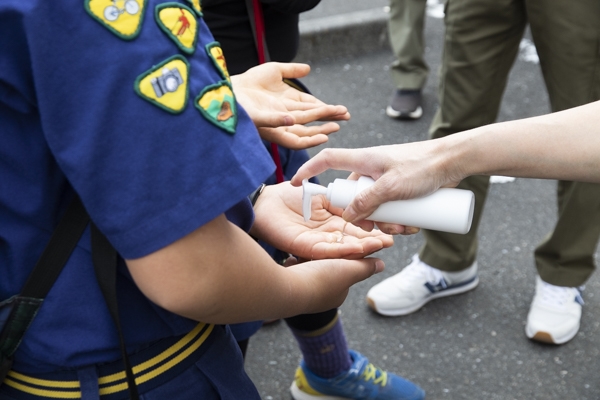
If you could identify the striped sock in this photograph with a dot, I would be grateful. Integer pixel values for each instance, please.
(325, 350)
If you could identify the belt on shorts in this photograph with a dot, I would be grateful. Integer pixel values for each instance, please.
(151, 367)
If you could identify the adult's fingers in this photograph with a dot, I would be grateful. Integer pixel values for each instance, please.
(340, 159)
(366, 202)
(395, 229)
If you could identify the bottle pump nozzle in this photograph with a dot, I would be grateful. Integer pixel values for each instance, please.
(310, 189)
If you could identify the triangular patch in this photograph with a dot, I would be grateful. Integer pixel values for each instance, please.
(215, 52)
(121, 17)
(196, 6)
(179, 23)
(166, 84)
(217, 104)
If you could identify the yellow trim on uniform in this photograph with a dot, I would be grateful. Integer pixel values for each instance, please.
(191, 340)
(43, 392)
(155, 360)
(44, 382)
(156, 372)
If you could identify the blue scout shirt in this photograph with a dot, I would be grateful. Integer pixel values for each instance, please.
(129, 104)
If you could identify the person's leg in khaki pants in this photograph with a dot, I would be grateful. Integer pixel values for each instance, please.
(482, 41)
(567, 38)
(409, 71)
(405, 27)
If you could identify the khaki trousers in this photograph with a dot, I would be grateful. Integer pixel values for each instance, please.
(481, 43)
(405, 27)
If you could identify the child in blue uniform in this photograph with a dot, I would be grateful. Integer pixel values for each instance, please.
(117, 104)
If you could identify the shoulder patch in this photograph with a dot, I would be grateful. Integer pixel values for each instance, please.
(215, 52)
(196, 6)
(166, 84)
(121, 17)
(179, 23)
(217, 104)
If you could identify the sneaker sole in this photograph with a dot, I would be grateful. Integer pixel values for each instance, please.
(400, 115)
(298, 394)
(409, 310)
(546, 337)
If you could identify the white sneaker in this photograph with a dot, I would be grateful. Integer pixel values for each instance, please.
(417, 284)
(555, 313)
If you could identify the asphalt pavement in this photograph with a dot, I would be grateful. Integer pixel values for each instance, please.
(471, 346)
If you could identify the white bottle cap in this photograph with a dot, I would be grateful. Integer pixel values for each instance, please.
(341, 192)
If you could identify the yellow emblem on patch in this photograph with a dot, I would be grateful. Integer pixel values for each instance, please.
(121, 17)
(166, 84)
(215, 52)
(196, 6)
(179, 23)
(217, 104)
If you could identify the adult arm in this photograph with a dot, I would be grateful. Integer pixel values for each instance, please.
(563, 145)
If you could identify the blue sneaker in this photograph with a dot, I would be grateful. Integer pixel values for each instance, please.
(362, 381)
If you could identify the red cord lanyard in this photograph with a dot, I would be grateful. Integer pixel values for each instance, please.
(263, 58)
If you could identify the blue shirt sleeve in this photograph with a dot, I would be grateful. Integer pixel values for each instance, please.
(146, 176)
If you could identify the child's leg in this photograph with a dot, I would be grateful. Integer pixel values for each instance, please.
(322, 342)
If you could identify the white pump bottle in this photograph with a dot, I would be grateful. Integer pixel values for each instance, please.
(447, 210)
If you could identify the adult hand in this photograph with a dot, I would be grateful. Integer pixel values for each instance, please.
(401, 172)
(279, 222)
(274, 105)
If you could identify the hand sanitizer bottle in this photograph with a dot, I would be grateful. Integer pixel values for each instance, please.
(446, 210)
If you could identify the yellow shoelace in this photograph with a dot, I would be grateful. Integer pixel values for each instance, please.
(370, 373)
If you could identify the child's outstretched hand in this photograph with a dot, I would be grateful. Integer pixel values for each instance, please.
(280, 111)
(279, 222)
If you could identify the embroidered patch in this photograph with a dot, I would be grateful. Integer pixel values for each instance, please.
(196, 6)
(121, 17)
(179, 23)
(215, 52)
(166, 84)
(217, 104)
